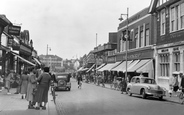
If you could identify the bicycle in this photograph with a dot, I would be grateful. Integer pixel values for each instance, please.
(181, 96)
(53, 92)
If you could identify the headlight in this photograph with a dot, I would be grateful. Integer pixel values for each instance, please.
(148, 87)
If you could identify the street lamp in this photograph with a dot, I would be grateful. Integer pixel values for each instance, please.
(126, 39)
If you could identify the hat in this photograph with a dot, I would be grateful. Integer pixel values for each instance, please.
(176, 73)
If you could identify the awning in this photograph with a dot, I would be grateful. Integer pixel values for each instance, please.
(131, 65)
(23, 59)
(146, 68)
(82, 69)
(4, 48)
(101, 66)
(37, 61)
(91, 68)
(106, 67)
(114, 65)
(122, 66)
(138, 65)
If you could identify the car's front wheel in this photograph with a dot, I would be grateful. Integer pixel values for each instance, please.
(143, 93)
(161, 98)
(128, 91)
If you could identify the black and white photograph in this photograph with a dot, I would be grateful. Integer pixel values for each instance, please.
(92, 57)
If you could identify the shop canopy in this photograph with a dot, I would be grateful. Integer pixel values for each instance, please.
(91, 68)
(146, 68)
(82, 69)
(23, 59)
(37, 61)
(122, 66)
(100, 66)
(139, 65)
(106, 67)
(114, 65)
(131, 65)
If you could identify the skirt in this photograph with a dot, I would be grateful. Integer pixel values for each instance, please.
(42, 94)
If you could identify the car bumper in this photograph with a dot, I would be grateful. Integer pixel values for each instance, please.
(155, 93)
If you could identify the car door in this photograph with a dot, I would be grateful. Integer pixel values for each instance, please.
(137, 86)
(133, 85)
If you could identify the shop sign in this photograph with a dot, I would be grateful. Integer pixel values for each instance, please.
(14, 30)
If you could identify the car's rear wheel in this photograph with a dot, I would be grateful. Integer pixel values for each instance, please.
(143, 93)
(128, 91)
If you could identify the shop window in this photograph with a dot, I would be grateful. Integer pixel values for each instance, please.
(164, 65)
(176, 57)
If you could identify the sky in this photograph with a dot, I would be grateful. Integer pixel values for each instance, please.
(70, 28)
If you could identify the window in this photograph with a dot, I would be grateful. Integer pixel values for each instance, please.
(182, 15)
(162, 22)
(177, 17)
(147, 38)
(164, 65)
(172, 19)
(176, 57)
(141, 39)
(136, 40)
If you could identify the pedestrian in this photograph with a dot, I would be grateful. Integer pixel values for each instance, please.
(8, 80)
(18, 81)
(1, 82)
(174, 83)
(103, 79)
(24, 83)
(182, 82)
(124, 85)
(31, 85)
(43, 87)
(79, 80)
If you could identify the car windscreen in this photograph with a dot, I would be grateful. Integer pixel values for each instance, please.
(148, 81)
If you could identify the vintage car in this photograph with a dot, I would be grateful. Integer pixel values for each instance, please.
(145, 86)
(63, 81)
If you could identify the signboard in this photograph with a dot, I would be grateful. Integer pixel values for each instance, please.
(14, 30)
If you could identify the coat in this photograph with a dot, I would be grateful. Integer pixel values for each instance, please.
(24, 83)
(30, 87)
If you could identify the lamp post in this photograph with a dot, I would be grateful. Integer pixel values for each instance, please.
(126, 40)
(48, 48)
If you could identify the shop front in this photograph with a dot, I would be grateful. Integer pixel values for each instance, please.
(138, 61)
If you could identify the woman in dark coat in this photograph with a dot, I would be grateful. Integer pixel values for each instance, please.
(42, 93)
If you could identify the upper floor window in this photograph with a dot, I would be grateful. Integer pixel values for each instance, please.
(147, 41)
(177, 17)
(141, 39)
(136, 40)
(162, 22)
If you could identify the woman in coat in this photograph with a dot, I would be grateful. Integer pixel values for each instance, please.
(8, 80)
(31, 85)
(24, 83)
(42, 93)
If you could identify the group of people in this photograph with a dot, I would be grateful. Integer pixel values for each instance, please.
(176, 83)
(33, 85)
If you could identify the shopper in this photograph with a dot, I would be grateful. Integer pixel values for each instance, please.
(18, 81)
(8, 80)
(24, 83)
(43, 87)
(31, 85)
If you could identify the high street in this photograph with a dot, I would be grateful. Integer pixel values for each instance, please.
(96, 100)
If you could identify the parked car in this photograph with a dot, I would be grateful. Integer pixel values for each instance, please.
(63, 81)
(145, 86)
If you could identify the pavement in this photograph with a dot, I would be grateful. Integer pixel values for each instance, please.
(12, 104)
(173, 99)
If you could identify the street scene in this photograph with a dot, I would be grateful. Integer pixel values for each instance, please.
(91, 57)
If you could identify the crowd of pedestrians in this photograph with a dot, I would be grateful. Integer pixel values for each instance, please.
(32, 84)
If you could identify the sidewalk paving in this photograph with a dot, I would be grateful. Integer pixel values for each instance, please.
(12, 104)
(172, 99)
